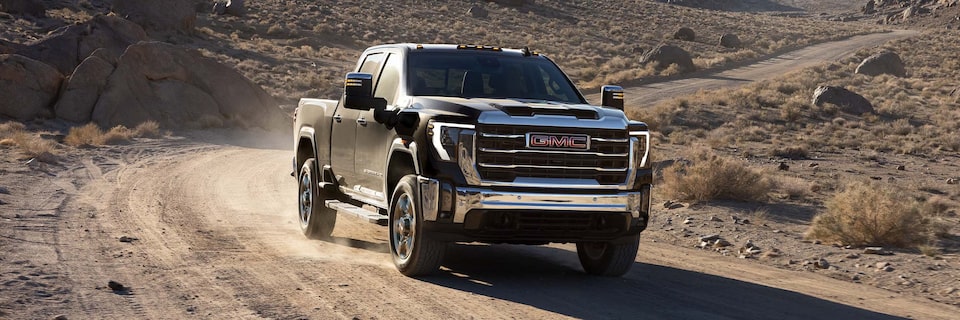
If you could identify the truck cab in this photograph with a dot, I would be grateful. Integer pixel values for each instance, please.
(462, 143)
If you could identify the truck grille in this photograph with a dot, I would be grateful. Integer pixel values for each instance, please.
(502, 155)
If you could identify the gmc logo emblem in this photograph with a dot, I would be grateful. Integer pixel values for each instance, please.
(553, 141)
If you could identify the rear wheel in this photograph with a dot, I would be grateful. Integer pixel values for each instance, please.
(414, 252)
(316, 220)
(608, 259)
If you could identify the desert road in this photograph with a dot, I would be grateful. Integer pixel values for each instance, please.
(203, 226)
(650, 94)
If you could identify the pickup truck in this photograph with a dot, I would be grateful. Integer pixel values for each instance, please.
(466, 143)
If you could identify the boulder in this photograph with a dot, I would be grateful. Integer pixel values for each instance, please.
(912, 11)
(82, 89)
(664, 55)
(236, 7)
(510, 3)
(159, 16)
(68, 46)
(882, 63)
(28, 7)
(730, 40)
(27, 87)
(219, 8)
(478, 12)
(869, 8)
(176, 87)
(848, 101)
(685, 34)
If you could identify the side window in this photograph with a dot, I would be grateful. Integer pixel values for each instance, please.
(371, 64)
(389, 79)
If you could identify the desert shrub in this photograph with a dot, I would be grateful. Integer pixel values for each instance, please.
(14, 134)
(795, 188)
(791, 152)
(117, 135)
(711, 177)
(86, 135)
(149, 129)
(872, 214)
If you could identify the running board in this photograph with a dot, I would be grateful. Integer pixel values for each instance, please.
(352, 210)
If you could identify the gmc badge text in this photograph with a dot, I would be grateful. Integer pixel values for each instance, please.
(460, 143)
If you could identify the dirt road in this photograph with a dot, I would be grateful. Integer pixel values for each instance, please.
(213, 217)
(650, 94)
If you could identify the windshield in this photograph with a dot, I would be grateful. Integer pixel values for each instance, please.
(488, 76)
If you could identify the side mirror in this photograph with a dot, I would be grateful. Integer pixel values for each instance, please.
(358, 91)
(612, 96)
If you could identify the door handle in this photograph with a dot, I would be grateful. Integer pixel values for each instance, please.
(337, 118)
(361, 121)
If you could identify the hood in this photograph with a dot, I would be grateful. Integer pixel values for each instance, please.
(473, 108)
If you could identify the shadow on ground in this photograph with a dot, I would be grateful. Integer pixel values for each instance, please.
(551, 279)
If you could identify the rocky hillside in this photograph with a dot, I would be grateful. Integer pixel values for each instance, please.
(300, 48)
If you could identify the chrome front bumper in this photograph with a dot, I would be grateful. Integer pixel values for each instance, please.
(471, 198)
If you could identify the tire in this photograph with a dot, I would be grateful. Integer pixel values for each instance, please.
(414, 252)
(608, 259)
(316, 220)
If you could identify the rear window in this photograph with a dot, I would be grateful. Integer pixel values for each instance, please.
(478, 75)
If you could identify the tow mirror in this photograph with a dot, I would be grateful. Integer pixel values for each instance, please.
(612, 96)
(358, 92)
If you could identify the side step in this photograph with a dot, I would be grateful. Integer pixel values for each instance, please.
(352, 210)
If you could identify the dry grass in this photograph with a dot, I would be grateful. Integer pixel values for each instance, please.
(15, 135)
(872, 214)
(711, 177)
(91, 134)
(794, 187)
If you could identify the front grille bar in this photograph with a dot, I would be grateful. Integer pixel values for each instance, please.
(515, 166)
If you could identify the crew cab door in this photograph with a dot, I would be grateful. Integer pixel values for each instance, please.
(343, 138)
(374, 138)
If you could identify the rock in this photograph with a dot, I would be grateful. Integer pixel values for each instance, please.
(948, 291)
(664, 55)
(82, 90)
(868, 8)
(672, 205)
(236, 8)
(685, 34)
(68, 46)
(127, 239)
(848, 101)
(708, 238)
(951, 181)
(219, 8)
(877, 251)
(159, 16)
(60, 317)
(901, 167)
(27, 87)
(721, 243)
(4, 190)
(28, 7)
(912, 11)
(882, 63)
(687, 221)
(116, 286)
(715, 219)
(783, 166)
(477, 12)
(955, 92)
(821, 263)
(177, 87)
(730, 40)
(510, 3)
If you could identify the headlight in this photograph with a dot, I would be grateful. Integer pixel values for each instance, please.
(446, 137)
(640, 141)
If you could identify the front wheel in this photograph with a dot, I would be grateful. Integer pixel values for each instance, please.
(414, 252)
(316, 220)
(608, 259)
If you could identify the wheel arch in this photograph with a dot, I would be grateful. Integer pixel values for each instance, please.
(401, 161)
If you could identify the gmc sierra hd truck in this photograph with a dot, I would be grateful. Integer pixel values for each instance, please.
(464, 143)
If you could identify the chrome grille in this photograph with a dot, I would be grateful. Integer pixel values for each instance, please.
(502, 155)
